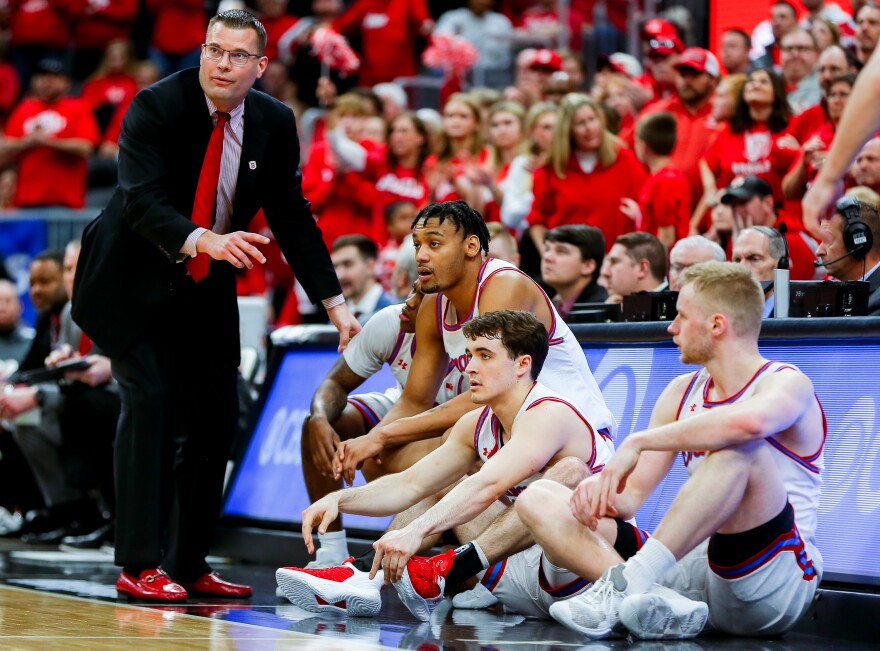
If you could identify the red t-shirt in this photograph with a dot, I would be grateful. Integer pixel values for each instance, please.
(588, 198)
(98, 23)
(179, 25)
(388, 31)
(47, 177)
(342, 202)
(752, 153)
(39, 22)
(115, 89)
(695, 130)
(806, 123)
(666, 201)
(395, 184)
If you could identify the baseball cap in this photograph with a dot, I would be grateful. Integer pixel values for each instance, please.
(700, 60)
(50, 66)
(625, 64)
(744, 188)
(658, 27)
(546, 59)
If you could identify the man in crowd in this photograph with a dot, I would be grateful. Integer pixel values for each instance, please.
(636, 263)
(689, 251)
(50, 135)
(522, 431)
(850, 248)
(761, 250)
(696, 76)
(866, 169)
(867, 31)
(735, 46)
(502, 245)
(752, 201)
(833, 62)
(15, 336)
(799, 56)
(354, 259)
(572, 260)
(754, 469)
(783, 19)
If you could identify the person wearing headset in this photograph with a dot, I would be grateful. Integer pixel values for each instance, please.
(850, 247)
(762, 250)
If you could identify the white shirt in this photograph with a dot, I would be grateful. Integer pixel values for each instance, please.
(490, 33)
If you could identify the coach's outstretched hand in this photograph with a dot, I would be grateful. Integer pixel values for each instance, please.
(345, 323)
(236, 248)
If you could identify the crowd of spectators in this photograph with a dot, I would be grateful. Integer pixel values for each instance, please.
(652, 142)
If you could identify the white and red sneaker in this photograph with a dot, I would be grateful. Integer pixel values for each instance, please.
(421, 586)
(343, 589)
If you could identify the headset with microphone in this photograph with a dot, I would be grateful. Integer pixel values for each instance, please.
(857, 237)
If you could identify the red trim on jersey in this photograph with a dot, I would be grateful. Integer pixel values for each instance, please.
(687, 392)
(708, 404)
(457, 326)
(401, 335)
(579, 415)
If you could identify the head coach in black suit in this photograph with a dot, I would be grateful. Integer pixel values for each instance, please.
(145, 293)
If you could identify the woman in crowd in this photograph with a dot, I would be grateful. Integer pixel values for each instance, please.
(725, 97)
(113, 83)
(507, 140)
(589, 172)
(825, 32)
(748, 145)
(618, 95)
(460, 145)
(816, 146)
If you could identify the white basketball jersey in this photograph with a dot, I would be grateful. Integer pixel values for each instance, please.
(801, 475)
(565, 370)
(383, 342)
(488, 435)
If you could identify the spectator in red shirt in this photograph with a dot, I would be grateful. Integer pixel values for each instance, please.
(833, 62)
(50, 135)
(664, 206)
(695, 81)
(617, 94)
(96, 24)
(724, 100)
(178, 33)
(342, 198)
(540, 25)
(815, 148)
(10, 87)
(459, 146)
(589, 172)
(113, 83)
(748, 145)
(388, 30)
(283, 31)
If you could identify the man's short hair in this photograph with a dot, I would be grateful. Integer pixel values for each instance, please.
(741, 32)
(776, 247)
(520, 333)
(500, 232)
(732, 290)
(365, 246)
(53, 255)
(240, 19)
(466, 219)
(659, 132)
(588, 239)
(698, 242)
(639, 245)
(787, 4)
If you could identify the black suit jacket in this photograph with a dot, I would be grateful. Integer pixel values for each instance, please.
(128, 266)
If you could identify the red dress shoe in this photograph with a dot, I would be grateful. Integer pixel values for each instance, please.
(211, 584)
(151, 584)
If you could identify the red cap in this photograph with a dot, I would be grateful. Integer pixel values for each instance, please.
(700, 60)
(547, 59)
(658, 27)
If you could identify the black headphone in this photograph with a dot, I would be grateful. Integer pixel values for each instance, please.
(857, 237)
(773, 234)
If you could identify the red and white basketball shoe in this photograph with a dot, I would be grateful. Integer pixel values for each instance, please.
(343, 589)
(421, 586)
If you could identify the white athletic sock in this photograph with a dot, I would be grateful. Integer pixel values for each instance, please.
(483, 560)
(644, 569)
(335, 543)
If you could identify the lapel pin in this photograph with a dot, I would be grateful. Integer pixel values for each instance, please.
(252, 164)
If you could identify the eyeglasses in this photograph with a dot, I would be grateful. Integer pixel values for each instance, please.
(236, 57)
(797, 49)
(656, 43)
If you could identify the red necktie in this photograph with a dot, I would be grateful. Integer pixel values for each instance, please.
(206, 193)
